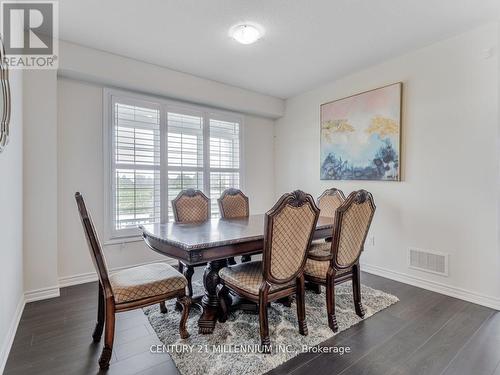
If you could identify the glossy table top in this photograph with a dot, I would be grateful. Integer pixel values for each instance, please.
(215, 232)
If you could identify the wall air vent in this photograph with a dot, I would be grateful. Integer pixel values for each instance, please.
(428, 261)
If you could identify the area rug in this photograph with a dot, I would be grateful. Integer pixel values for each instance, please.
(233, 348)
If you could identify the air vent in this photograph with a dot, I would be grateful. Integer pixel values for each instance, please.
(428, 261)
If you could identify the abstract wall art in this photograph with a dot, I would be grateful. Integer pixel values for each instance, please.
(361, 136)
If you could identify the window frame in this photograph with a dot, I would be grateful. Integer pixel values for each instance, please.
(111, 96)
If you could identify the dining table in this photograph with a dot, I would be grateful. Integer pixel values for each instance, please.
(211, 243)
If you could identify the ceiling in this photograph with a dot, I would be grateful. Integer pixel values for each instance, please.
(306, 42)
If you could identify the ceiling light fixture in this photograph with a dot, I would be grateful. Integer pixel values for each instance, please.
(245, 33)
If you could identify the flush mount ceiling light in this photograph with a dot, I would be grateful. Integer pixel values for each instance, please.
(246, 33)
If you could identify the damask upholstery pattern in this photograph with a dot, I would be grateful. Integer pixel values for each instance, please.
(319, 268)
(292, 228)
(191, 209)
(248, 276)
(141, 282)
(355, 225)
(329, 203)
(234, 206)
(321, 249)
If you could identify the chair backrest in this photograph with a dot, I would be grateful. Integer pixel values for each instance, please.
(94, 245)
(191, 206)
(289, 228)
(233, 204)
(351, 226)
(329, 201)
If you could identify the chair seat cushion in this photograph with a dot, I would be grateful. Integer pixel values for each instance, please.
(319, 268)
(248, 277)
(320, 249)
(146, 281)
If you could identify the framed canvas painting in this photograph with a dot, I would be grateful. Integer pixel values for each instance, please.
(361, 136)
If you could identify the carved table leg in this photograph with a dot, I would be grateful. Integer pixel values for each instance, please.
(210, 302)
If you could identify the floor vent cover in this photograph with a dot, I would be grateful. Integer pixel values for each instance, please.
(428, 261)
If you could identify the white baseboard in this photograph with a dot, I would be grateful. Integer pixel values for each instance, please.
(92, 276)
(82, 278)
(43, 293)
(466, 295)
(11, 333)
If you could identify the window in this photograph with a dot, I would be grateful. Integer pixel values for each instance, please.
(224, 159)
(154, 149)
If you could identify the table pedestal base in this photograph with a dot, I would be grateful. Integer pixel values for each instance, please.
(210, 302)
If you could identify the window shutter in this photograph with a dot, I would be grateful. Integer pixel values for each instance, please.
(224, 159)
(136, 166)
(185, 154)
(155, 148)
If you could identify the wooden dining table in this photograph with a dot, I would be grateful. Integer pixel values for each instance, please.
(212, 242)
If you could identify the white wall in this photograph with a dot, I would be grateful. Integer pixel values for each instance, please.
(40, 182)
(448, 198)
(11, 223)
(91, 65)
(80, 168)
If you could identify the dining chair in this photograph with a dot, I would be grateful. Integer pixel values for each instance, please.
(190, 206)
(288, 230)
(328, 202)
(129, 289)
(341, 263)
(233, 204)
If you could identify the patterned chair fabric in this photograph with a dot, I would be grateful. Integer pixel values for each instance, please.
(233, 204)
(319, 268)
(146, 281)
(320, 249)
(355, 222)
(292, 228)
(248, 277)
(191, 206)
(329, 201)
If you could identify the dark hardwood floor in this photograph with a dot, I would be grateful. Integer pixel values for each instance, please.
(424, 333)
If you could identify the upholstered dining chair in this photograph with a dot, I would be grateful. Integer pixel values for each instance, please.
(341, 263)
(129, 289)
(288, 231)
(233, 204)
(190, 206)
(328, 202)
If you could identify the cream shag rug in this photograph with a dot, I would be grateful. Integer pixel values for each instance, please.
(233, 347)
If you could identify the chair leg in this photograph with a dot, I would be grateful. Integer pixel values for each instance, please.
(180, 267)
(246, 258)
(356, 291)
(109, 335)
(163, 307)
(330, 303)
(265, 341)
(222, 296)
(301, 306)
(231, 261)
(96, 336)
(185, 301)
(188, 272)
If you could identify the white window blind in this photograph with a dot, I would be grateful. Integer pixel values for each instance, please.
(224, 159)
(136, 165)
(185, 155)
(156, 148)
